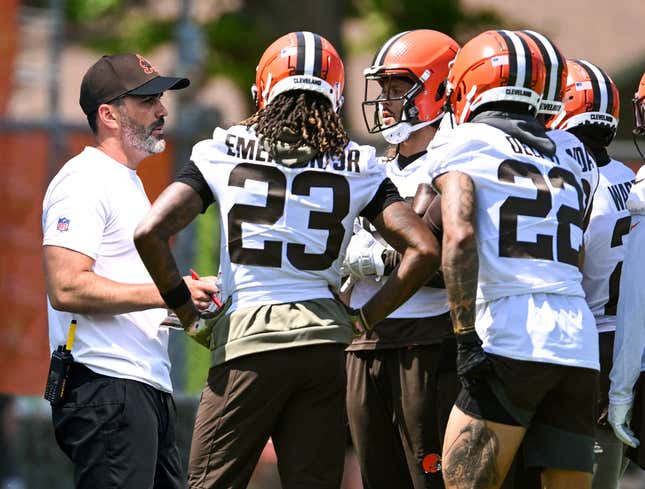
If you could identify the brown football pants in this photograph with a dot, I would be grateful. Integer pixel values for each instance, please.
(295, 396)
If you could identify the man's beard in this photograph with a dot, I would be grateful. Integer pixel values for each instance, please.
(140, 137)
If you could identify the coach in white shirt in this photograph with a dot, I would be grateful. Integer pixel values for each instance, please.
(116, 421)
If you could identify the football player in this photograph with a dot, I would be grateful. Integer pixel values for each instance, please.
(289, 186)
(522, 476)
(590, 112)
(401, 381)
(629, 355)
(512, 209)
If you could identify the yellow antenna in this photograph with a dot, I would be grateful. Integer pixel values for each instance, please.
(70, 335)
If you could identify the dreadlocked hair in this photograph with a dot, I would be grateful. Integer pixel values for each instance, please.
(302, 118)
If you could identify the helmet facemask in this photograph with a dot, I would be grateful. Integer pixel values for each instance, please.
(639, 116)
(407, 120)
(639, 122)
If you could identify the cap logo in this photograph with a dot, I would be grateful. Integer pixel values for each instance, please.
(146, 66)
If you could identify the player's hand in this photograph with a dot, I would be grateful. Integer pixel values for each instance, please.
(359, 323)
(472, 364)
(619, 418)
(200, 328)
(364, 259)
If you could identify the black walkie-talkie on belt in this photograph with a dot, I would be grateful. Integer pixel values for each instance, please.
(59, 368)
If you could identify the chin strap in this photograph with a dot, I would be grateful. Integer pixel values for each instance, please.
(401, 131)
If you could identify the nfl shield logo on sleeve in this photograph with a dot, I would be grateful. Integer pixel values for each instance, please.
(63, 224)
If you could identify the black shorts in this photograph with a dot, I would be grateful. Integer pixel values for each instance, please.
(556, 403)
(118, 433)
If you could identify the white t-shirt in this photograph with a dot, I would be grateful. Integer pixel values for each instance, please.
(427, 301)
(605, 240)
(529, 210)
(285, 229)
(92, 206)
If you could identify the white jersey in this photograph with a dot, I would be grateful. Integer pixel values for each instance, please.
(284, 228)
(629, 344)
(427, 301)
(93, 206)
(573, 147)
(529, 234)
(604, 239)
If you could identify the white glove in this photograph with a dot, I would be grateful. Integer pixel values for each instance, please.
(364, 259)
(349, 282)
(619, 417)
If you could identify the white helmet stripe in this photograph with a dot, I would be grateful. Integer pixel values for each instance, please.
(520, 56)
(553, 73)
(600, 81)
(310, 52)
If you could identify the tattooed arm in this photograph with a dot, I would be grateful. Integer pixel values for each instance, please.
(460, 261)
(460, 265)
(175, 208)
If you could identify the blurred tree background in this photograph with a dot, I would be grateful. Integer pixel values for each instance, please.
(235, 33)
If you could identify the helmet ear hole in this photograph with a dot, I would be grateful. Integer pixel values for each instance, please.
(441, 91)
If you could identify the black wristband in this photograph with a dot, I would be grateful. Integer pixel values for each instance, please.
(177, 296)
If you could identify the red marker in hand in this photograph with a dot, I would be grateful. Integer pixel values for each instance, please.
(195, 276)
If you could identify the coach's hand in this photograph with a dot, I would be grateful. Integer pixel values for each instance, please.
(472, 364)
(619, 418)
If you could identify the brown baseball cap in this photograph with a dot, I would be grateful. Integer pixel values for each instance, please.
(116, 75)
